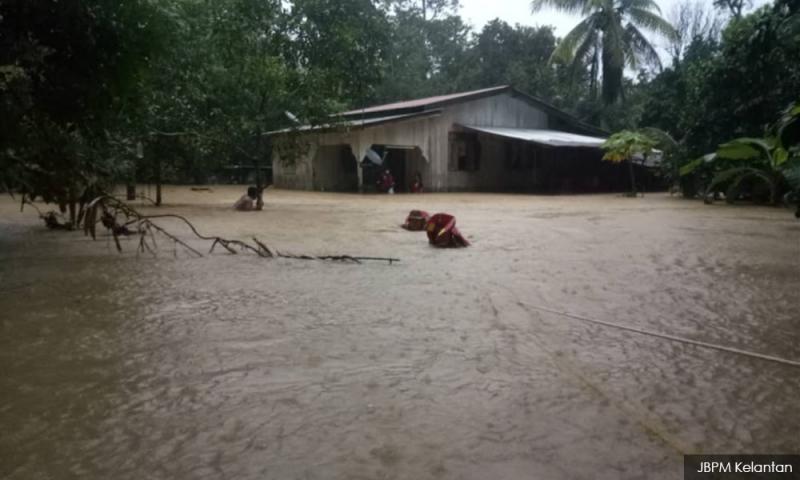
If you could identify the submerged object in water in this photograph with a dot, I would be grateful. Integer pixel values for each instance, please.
(442, 232)
(416, 220)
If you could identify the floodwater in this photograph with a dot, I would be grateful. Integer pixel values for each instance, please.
(442, 366)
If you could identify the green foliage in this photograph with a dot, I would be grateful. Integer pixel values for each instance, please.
(728, 88)
(735, 177)
(610, 37)
(515, 55)
(623, 145)
(732, 88)
(673, 153)
(424, 55)
(339, 46)
(69, 70)
(197, 82)
(772, 160)
(734, 7)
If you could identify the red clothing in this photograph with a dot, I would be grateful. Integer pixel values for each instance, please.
(416, 220)
(386, 182)
(442, 232)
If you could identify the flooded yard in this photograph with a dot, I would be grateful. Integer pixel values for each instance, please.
(452, 364)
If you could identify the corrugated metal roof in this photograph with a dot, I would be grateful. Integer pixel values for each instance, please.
(424, 102)
(360, 123)
(546, 137)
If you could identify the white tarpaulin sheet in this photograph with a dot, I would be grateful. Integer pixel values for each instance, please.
(546, 137)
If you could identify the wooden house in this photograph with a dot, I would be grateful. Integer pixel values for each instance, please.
(496, 139)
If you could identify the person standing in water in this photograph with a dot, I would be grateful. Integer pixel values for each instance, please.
(386, 182)
(250, 201)
(417, 186)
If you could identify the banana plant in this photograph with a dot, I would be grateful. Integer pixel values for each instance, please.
(623, 146)
(773, 160)
(674, 152)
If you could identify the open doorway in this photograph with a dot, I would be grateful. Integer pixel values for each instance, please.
(396, 163)
(402, 162)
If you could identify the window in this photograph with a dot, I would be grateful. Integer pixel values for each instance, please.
(465, 152)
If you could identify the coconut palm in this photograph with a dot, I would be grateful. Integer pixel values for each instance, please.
(610, 33)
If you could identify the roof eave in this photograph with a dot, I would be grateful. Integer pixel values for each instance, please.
(348, 127)
(434, 105)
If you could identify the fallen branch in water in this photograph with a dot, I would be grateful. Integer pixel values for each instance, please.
(51, 219)
(108, 211)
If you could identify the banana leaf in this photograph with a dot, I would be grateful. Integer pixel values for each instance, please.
(792, 175)
(737, 175)
(746, 148)
(697, 163)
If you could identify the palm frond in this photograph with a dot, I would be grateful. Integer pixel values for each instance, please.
(583, 53)
(640, 47)
(652, 22)
(568, 6)
(649, 5)
(576, 38)
(632, 56)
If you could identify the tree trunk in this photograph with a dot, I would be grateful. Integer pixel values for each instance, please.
(158, 182)
(633, 177)
(257, 162)
(73, 216)
(130, 191)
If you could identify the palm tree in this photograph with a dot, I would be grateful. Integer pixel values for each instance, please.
(609, 34)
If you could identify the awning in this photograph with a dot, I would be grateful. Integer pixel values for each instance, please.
(552, 138)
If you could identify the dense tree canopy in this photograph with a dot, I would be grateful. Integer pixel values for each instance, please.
(734, 86)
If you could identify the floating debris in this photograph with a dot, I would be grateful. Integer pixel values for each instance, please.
(442, 232)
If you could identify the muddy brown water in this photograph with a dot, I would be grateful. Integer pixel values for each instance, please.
(113, 366)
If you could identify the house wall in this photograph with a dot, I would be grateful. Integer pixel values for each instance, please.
(305, 172)
(431, 135)
(498, 111)
(297, 174)
(334, 169)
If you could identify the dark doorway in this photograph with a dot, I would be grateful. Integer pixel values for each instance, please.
(396, 163)
(392, 158)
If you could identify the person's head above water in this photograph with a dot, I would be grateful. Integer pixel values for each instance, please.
(252, 192)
